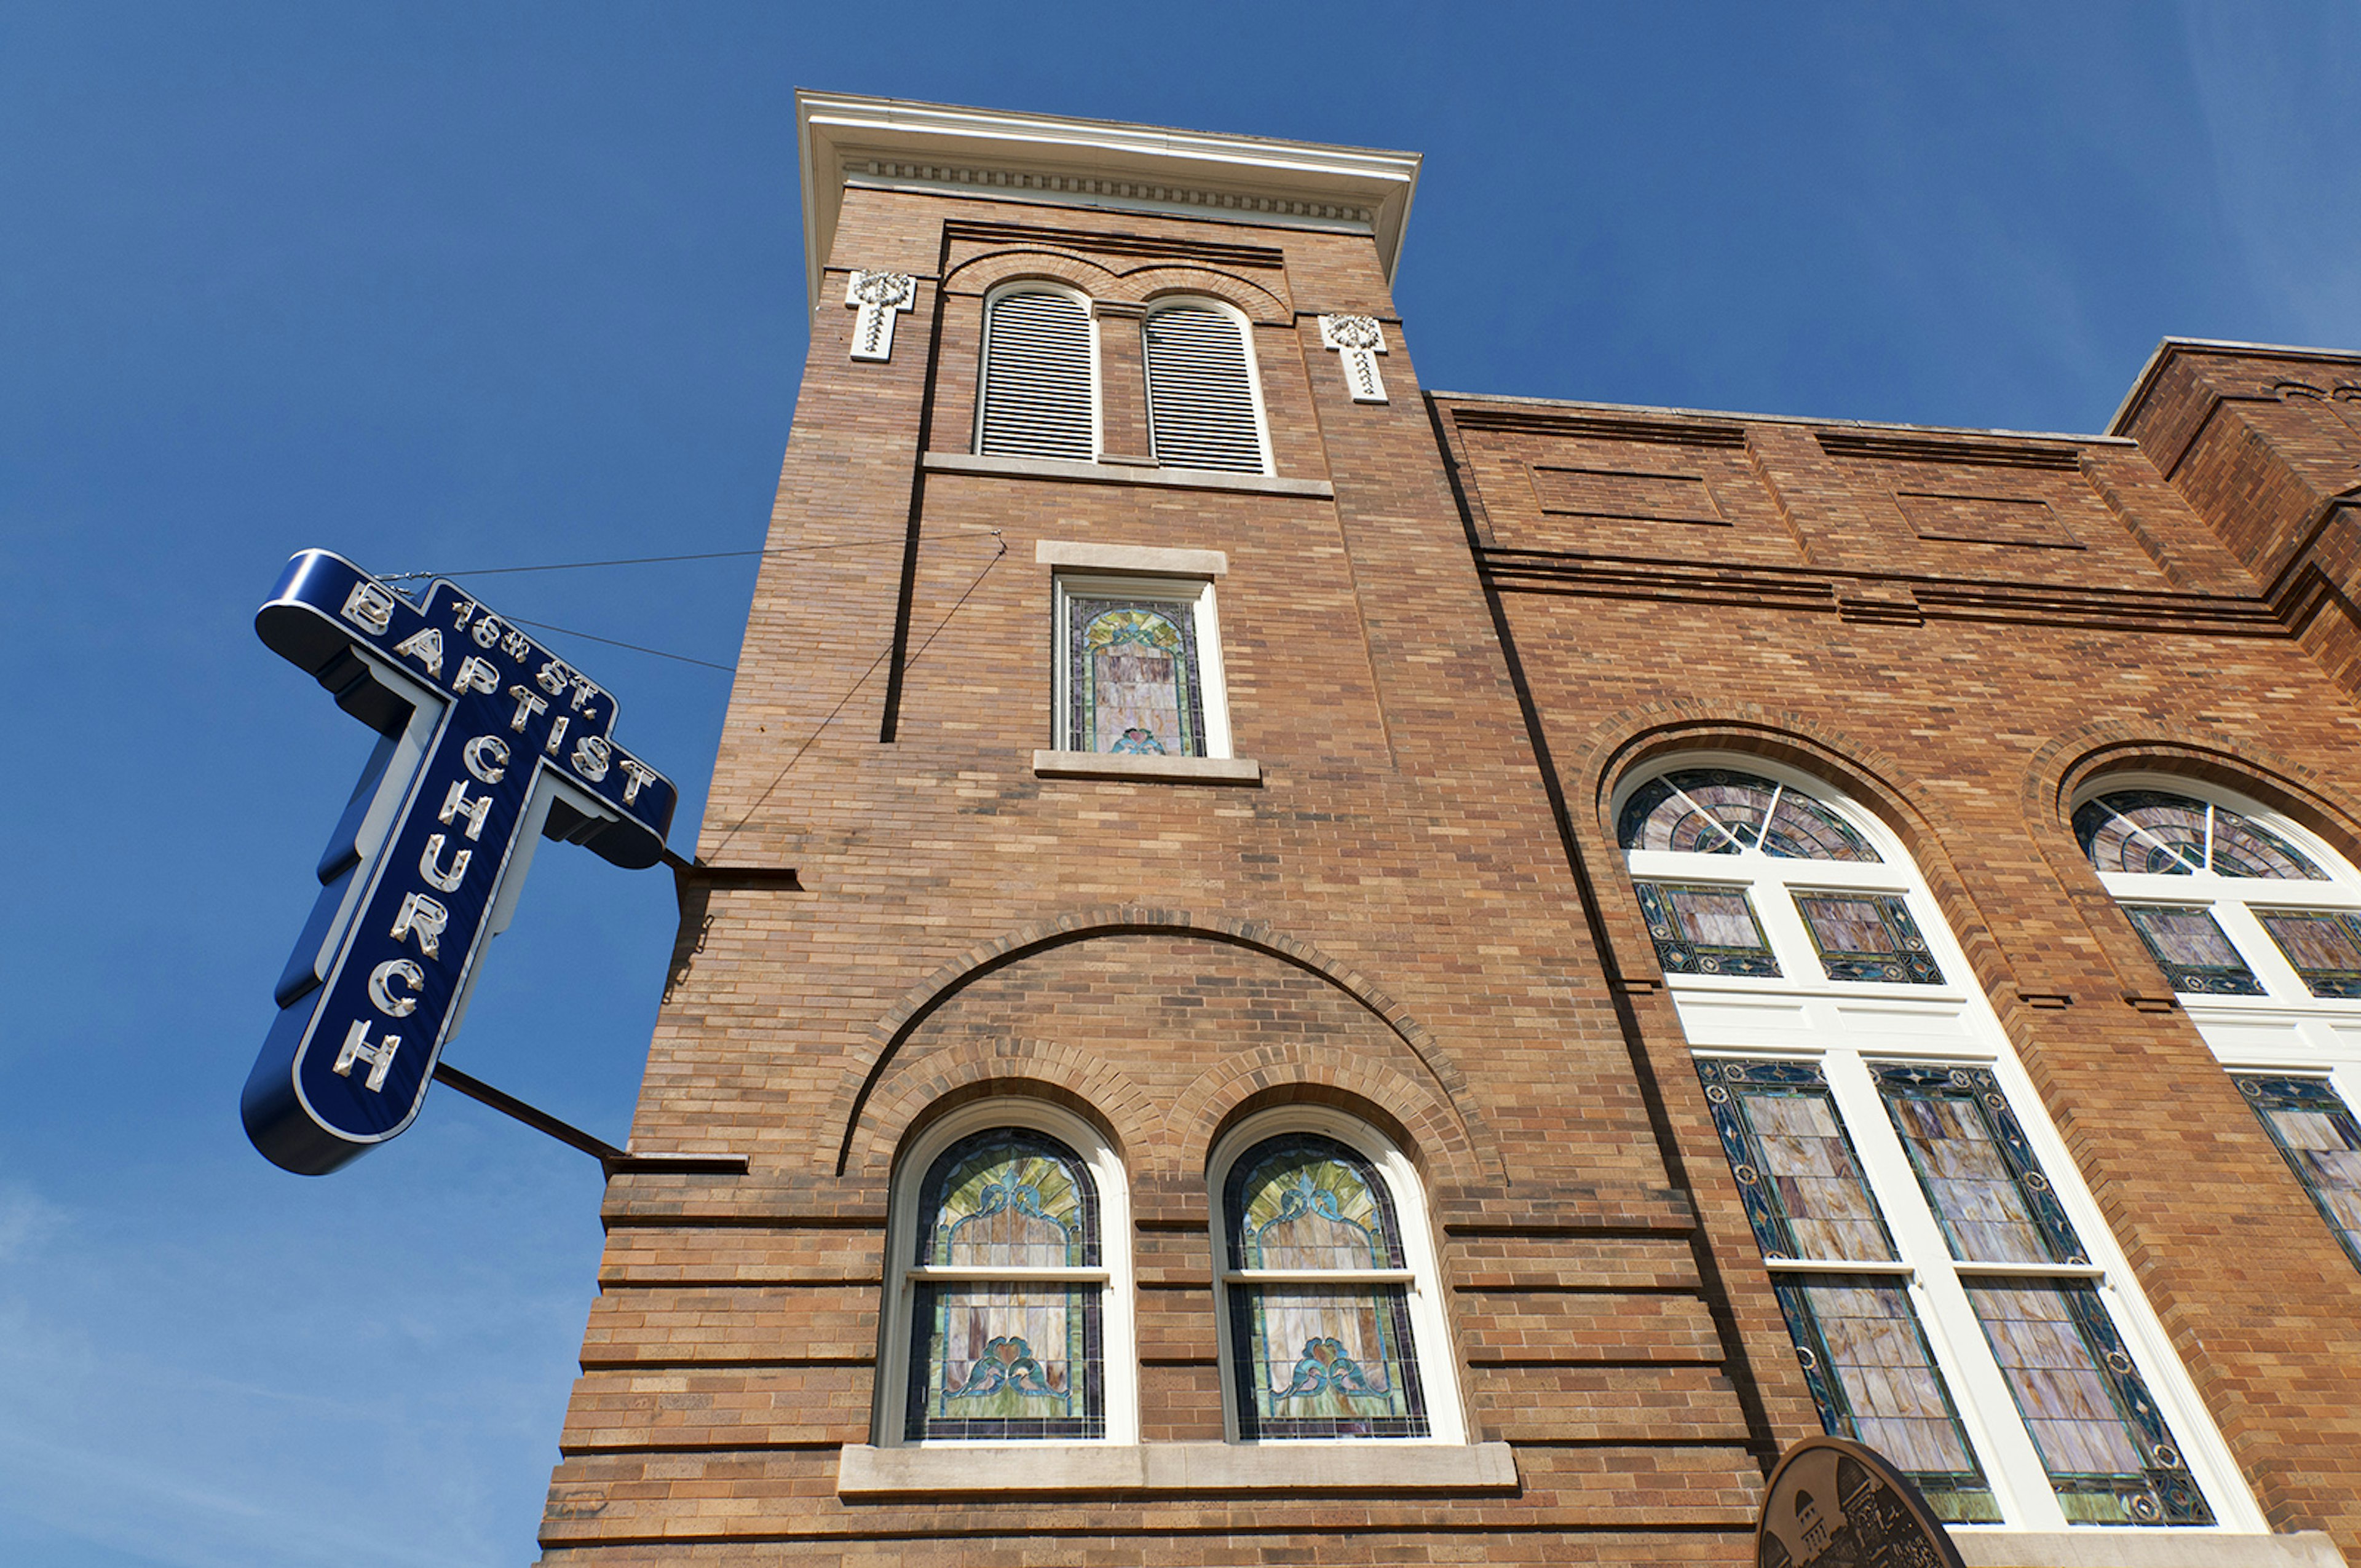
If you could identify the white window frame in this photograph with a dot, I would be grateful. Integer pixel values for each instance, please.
(1847, 1029)
(1196, 592)
(1119, 1338)
(983, 355)
(1422, 1276)
(2286, 1032)
(1245, 347)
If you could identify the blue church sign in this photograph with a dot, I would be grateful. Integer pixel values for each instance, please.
(489, 743)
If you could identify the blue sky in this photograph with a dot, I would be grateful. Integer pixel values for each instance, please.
(453, 287)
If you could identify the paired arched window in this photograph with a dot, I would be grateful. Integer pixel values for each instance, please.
(2258, 926)
(1009, 1309)
(1204, 408)
(1954, 1298)
(1039, 396)
(1039, 391)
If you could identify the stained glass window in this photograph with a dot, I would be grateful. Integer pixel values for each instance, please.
(2323, 947)
(2191, 949)
(2155, 831)
(1866, 935)
(2100, 1436)
(1863, 1353)
(1132, 676)
(1017, 1356)
(1320, 1330)
(1704, 931)
(1720, 811)
(2316, 1132)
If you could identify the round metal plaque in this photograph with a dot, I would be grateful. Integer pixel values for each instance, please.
(1833, 1503)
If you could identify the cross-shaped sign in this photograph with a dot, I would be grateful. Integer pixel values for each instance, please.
(489, 742)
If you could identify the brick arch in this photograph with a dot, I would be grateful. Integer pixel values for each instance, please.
(981, 274)
(850, 1102)
(1877, 779)
(1146, 285)
(2061, 769)
(1435, 1140)
(1083, 1081)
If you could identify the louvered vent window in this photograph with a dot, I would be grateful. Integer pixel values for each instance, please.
(1200, 397)
(1037, 378)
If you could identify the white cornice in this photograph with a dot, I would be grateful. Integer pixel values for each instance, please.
(1090, 163)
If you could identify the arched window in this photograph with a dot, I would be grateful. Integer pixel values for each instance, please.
(1008, 1253)
(1205, 408)
(1039, 394)
(1955, 1300)
(2258, 927)
(1334, 1326)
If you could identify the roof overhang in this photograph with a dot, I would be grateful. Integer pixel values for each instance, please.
(1090, 163)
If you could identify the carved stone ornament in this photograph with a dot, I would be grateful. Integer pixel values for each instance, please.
(879, 297)
(1357, 340)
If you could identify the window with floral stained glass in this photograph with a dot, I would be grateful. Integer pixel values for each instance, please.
(1330, 1302)
(1949, 1305)
(1139, 672)
(2258, 926)
(1004, 1287)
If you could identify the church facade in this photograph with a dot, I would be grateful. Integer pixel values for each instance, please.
(1312, 970)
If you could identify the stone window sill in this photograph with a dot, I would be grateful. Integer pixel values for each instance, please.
(866, 1472)
(2150, 1547)
(1145, 769)
(1124, 474)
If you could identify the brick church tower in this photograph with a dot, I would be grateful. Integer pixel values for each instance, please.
(1314, 972)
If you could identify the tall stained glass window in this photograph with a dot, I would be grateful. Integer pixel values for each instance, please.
(1007, 1294)
(1864, 1354)
(2102, 1438)
(2260, 935)
(1318, 1284)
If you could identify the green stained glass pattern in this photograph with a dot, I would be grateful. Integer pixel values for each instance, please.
(1132, 679)
(2157, 832)
(1313, 1359)
(1975, 1166)
(1719, 811)
(1016, 1358)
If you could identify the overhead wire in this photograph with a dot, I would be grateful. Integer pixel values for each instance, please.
(780, 777)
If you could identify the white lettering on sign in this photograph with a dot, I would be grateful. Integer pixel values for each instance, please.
(370, 607)
(639, 774)
(426, 647)
(528, 705)
(423, 916)
(517, 646)
(381, 987)
(583, 692)
(555, 678)
(463, 609)
(556, 734)
(590, 757)
(481, 675)
(357, 1048)
(448, 880)
(484, 746)
(456, 803)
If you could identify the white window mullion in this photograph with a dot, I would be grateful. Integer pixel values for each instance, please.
(1986, 1406)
